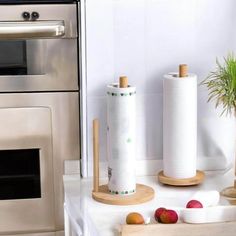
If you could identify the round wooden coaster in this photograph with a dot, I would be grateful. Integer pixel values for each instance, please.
(229, 194)
(181, 182)
(143, 194)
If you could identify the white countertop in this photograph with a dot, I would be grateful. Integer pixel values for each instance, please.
(100, 219)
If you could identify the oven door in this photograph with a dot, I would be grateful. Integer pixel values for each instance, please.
(38, 132)
(39, 55)
(26, 170)
(35, 57)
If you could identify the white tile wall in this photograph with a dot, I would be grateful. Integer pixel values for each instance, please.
(129, 41)
(99, 45)
(145, 39)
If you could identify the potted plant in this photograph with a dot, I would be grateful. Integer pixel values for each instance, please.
(221, 84)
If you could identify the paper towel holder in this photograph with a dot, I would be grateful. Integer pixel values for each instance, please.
(199, 177)
(101, 193)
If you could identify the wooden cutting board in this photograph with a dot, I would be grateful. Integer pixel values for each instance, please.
(180, 229)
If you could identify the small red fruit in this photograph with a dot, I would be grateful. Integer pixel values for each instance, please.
(168, 217)
(158, 212)
(194, 204)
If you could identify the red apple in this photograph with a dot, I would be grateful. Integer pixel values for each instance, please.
(194, 204)
(168, 217)
(158, 212)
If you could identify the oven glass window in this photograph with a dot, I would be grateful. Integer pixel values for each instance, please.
(24, 57)
(20, 174)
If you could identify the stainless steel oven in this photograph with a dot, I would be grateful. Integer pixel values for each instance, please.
(39, 113)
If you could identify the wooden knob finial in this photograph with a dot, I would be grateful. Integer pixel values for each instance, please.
(123, 81)
(183, 70)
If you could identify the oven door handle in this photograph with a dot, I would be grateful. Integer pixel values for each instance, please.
(31, 30)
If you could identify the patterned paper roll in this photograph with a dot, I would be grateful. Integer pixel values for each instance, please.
(121, 146)
(179, 125)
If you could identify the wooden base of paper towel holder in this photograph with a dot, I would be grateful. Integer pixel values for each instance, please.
(230, 194)
(143, 194)
(181, 182)
(101, 193)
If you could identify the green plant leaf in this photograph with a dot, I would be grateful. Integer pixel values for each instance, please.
(221, 84)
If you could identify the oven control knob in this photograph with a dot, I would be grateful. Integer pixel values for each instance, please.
(34, 15)
(26, 15)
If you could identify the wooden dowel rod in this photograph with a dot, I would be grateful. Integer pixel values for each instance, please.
(183, 70)
(123, 82)
(95, 155)
(235, 183)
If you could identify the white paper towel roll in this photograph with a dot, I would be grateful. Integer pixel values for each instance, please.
(121, 115)
(179, 126)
